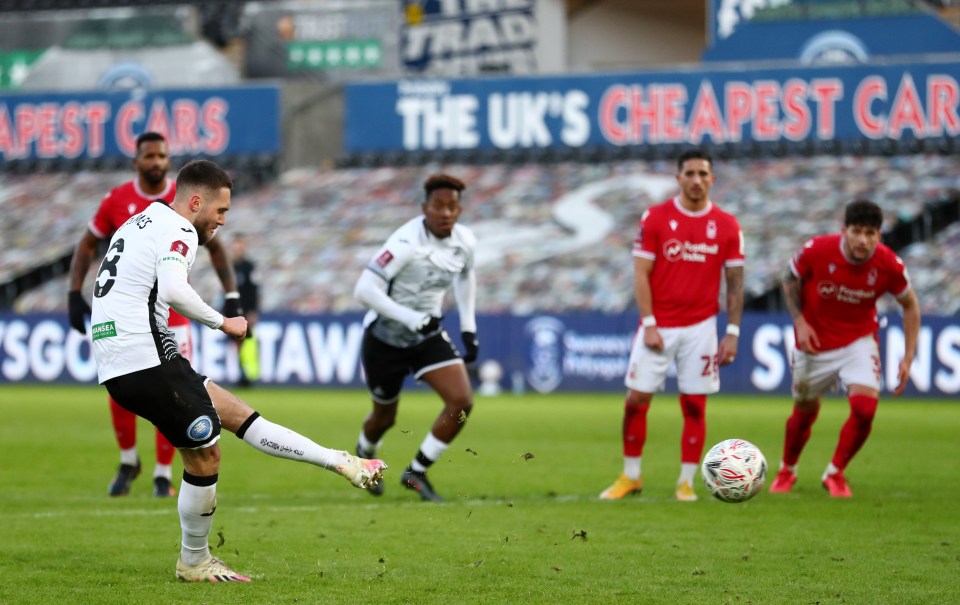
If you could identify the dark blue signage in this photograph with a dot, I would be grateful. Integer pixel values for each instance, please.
(212, 122)
(542, 353)
(889, 101)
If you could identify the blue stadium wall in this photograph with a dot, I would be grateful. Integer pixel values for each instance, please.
(543, 353)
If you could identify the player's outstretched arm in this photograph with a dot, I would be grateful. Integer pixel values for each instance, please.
(911, 332)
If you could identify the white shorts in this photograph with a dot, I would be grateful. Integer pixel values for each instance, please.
(184, 336)
(856, 363)
(692, 348)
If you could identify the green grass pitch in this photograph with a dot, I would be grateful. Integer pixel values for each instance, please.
(522, 522)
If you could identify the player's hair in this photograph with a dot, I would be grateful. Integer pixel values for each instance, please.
(205, 174)
(150, 136)
(693, 154)
(863, 213)
(442, 181)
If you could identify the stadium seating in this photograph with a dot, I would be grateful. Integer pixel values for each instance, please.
(554, 237)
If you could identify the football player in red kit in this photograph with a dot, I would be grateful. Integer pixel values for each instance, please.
(832, 286)
(151, 162)
(683, 247)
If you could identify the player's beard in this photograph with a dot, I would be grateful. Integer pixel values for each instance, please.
(155, 176)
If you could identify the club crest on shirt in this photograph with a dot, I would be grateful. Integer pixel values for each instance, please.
(384, 259)
(131, 208)
(179, 247)
(872, 277)
(711, 230)
(673, 225)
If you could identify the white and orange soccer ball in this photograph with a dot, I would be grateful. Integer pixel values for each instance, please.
(734, 470)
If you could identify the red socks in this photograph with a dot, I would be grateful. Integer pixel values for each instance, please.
(694, 409)
(125, 429)
(634, 429)
(165, 451)
(855, 430)
(124, 425)
(798, 432)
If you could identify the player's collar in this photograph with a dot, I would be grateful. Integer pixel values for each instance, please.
(147, 196)
(846, 257)
(706, 209)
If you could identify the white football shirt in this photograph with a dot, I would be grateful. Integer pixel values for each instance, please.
(129, 320)
(419, 268)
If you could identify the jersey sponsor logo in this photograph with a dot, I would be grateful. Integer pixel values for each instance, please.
(103, 330)
(827, 289)
(855, 296)
(384, 259)
(179, 247)
(674, 250)
(200, 429)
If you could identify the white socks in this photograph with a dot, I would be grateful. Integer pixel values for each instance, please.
(688, 470)
(431, 448)
(196, 505)
(367, 446)
(281, 442)
(129, 456)
(631, 467)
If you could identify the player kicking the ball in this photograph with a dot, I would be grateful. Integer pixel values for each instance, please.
(832, 286)
(144, 273)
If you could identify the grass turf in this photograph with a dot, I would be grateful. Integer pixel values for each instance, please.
(522, 523)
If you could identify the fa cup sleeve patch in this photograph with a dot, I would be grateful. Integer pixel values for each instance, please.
(180, 248)
(384, 259)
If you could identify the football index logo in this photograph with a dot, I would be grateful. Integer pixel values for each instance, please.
(827, 289)
(179, 247)
(673, 250)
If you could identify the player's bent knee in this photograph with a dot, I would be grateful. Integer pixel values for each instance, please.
(201, 462)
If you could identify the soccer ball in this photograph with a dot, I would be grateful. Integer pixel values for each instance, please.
(734, 470)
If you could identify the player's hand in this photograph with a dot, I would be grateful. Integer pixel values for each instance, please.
(903, 376)
(652, 339)
(428, 325)
(235, 327)
(231, 305)
(727, 352)
(807, 339)
(79, 311)
(471, 346)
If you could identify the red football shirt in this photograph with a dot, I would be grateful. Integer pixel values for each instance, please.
(839, 296)
(120, 204)
(689, 251)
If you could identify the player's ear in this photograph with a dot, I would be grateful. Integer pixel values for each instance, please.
(196, 202)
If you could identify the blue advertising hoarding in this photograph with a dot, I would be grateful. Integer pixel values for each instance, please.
(583, 352)
(219, 121)
(816, 32)
(721, 105)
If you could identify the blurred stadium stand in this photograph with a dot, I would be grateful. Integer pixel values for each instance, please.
(540, 253)
(311, 229)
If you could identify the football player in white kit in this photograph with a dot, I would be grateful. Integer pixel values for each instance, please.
(404, 285)
(144, 273)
